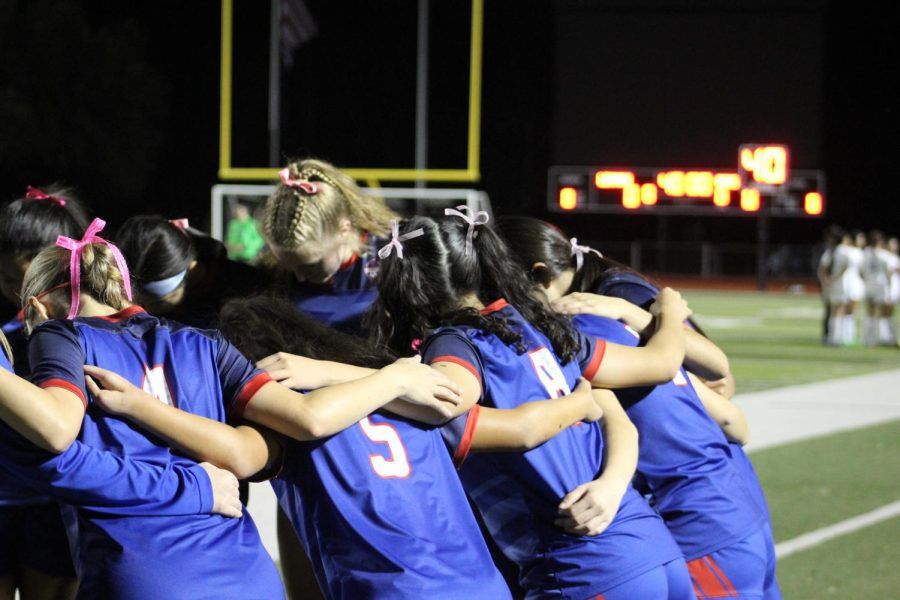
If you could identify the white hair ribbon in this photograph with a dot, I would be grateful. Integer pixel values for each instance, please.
(386, 250)
(472, 218)
(579, 251)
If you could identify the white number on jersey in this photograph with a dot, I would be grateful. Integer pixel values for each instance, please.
(397, 465)
(549, 373)
(155, 384)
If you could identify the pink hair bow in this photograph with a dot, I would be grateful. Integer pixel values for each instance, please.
(77, 247)
(181, 224)
(386, 250)
(472, 218)
(32, 193)
(307, 186)
(579, 251)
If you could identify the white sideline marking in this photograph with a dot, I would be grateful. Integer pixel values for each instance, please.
(814, 538)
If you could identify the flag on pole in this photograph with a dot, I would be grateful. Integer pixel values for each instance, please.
(297, 27)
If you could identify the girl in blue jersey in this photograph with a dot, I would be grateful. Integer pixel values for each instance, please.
(37, 559)
(411, 533)
(324, 232)
(701, 480)
(459, 289)
(135, 557)
(180, 273)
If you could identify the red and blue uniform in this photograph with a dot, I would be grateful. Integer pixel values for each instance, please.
(343, 300)
(382, 514)
(518, 493)
(759, 544)
(138, 556)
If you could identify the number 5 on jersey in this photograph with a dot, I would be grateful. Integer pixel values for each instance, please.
(396, 465)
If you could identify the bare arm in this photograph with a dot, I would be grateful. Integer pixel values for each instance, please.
(531, 424)
(656, 362)
(300, 372)
(591, 507)
(723, 411)
(243, 450)
(328, 410)
(49, 418)
(700, 355)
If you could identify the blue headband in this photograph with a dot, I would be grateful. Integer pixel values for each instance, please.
(165, 286)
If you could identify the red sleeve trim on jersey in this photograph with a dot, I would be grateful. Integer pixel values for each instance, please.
(248, 391)
(596, 360)
(457, 361)
(465, 444)
(65, 385)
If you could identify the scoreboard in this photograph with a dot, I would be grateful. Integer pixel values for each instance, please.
(762, 185)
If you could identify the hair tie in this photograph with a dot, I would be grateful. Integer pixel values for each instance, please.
(307, 186)
(386, 250)
(77, 247)
(579, 251)
(32, 193)
(472, 218)
(181, 224)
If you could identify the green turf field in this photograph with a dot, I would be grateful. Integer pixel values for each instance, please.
(773, 340)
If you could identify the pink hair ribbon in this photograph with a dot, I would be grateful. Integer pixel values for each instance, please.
(579, 251)
(396, 238)
(181, 224)
(472, 218)
(32, 193)
(77, 247)
(307, 186)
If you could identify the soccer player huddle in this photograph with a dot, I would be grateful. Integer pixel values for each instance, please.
(856, 269)
(391, 377)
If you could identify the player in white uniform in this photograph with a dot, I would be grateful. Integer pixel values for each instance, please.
(876, 283)
(888, 257)
(847, 289)
(830, 239)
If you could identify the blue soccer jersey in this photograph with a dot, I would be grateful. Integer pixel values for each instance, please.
(382, 514)
(685, 462)
(137, 556)
(342, 301)
(518, 493)
(638, 291)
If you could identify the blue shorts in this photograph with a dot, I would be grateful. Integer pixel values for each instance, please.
(34, 536)
(666, 582)
(771, 590)
(736, 571)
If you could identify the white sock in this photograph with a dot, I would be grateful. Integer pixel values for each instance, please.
(870, 331)
(834, 331)
(849, 330)
(886, 333)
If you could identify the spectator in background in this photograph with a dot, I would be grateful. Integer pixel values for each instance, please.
(243, 239)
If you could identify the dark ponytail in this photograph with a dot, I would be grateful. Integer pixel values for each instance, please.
(154, 248)
(262, 325)
(423, 290)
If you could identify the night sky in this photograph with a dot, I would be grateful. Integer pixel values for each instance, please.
(121, 99)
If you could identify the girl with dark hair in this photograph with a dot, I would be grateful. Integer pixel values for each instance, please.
(30, 522)
(181, 273)
(78, 303)
(411, 534)
(701, 481)
(456, 286)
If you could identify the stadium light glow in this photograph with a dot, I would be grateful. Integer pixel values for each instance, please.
(568, 198)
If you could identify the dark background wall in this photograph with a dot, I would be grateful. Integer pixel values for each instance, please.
(121, 99)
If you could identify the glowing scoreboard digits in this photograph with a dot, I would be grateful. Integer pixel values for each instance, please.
(763, 183)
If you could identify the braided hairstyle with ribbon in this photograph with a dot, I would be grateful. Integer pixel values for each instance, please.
(310, 201)
(455, 256)
(60, 274)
